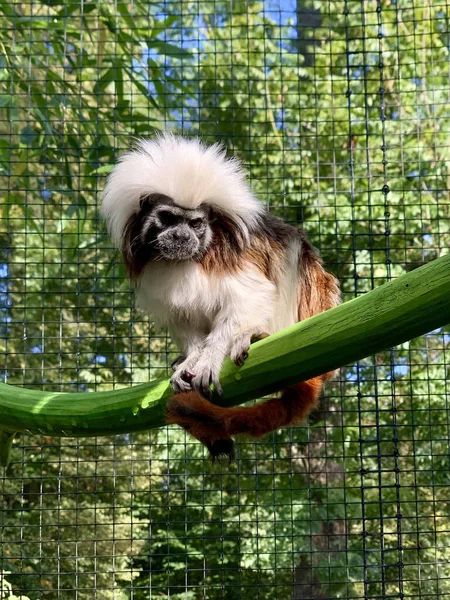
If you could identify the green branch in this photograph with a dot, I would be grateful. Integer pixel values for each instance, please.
(405, 308)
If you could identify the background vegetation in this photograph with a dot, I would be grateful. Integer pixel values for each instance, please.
(340, 111)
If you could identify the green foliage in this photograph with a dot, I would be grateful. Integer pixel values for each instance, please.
(315, 507)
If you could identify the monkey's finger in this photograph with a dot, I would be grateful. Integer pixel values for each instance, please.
(217, 386)
(201, 384)
(181, 388)
(205, 388)
(239, 350)
(180, 385)
(240, 359)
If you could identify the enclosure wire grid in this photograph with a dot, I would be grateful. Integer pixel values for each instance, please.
(340, 112)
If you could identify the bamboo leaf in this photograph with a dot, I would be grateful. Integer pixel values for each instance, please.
(169, 49)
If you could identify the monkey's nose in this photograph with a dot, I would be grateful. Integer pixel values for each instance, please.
(181, 236)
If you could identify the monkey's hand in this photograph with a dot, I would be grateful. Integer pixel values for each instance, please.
(206, 371)
(241, 343)
(181, 380)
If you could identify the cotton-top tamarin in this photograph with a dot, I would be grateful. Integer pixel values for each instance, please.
(209, 261)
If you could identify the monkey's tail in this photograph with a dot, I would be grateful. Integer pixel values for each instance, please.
(214, 425)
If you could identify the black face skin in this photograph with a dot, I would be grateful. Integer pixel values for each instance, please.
(162, 229)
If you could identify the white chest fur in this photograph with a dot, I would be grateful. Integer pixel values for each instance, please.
(168, 292)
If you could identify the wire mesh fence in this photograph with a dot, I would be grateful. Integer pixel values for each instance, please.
(340, 111)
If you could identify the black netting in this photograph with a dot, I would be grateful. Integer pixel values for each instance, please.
(340, 111)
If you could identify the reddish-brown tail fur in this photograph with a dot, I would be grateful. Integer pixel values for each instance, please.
(215, 425)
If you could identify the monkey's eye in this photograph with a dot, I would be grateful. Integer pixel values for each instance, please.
(196, 223)
(167, 218)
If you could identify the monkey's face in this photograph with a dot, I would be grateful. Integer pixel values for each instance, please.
(172, 232)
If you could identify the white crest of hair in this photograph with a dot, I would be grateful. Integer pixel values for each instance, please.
(185, 170)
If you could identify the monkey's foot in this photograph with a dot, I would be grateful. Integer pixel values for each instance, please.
(241, 344)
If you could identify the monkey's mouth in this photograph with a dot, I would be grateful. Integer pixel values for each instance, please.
(179, 250)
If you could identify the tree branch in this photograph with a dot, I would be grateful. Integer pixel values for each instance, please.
(407, 307)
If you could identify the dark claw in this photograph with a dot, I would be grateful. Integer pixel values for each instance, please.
(239, 360)
(205, 390)
(202, 384)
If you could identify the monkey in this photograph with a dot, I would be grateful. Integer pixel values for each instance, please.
(208, 261)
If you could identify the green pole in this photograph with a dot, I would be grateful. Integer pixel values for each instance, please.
(407, 307)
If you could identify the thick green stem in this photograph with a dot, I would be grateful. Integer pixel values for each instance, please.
(410, 306)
